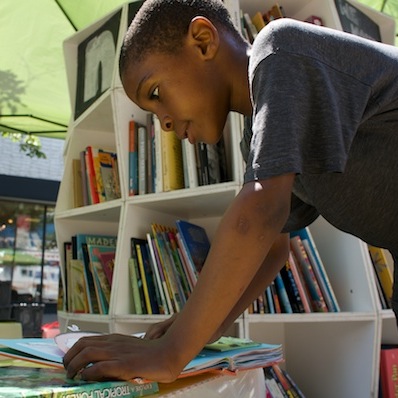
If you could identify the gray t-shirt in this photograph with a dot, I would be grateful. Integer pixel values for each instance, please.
(326, 108)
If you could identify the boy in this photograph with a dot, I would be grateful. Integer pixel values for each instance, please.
(323, 140)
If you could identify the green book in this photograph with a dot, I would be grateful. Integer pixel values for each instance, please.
(29, 382)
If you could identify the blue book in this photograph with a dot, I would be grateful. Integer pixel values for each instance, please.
(195, 241)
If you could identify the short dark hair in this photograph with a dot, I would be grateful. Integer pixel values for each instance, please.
(161, 26)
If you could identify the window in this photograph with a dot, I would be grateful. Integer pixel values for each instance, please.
(28, 251)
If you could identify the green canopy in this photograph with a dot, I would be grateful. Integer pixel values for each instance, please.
(33, 89)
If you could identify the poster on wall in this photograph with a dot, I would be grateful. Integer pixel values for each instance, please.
(355, 21)
(96, 59)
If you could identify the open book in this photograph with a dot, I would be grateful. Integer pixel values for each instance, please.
(228, 354)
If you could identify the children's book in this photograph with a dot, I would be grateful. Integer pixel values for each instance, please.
(32, 382)
(229, 355)
(196, 242)
(226, 355)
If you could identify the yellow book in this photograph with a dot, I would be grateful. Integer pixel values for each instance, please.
(143, 277)
(383, 272)
(258, 21)
(172, 164)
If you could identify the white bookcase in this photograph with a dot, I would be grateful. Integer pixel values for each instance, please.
(328, 355)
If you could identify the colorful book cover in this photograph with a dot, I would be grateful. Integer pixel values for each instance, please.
(29, 382)
(108, 175)
(196, 241)
(389, 371)
(105, 256)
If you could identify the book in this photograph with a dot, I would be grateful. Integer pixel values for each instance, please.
(89, 281)
(196, 242)
(319, 269)
(172, 166)
(298, 277)
(31, 382)
(389, 371)
(383, 272)
(226, 355)
(110, 177)
(282, 294)
(78, 285)
(317, 299)
(242, 355)
(142, 160)
(105, 256)
(77, 183)
(291, 287)
(133, 158)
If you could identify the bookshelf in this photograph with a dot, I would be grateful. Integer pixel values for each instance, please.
(340, 350)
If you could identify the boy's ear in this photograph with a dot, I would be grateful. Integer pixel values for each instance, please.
(204, 36)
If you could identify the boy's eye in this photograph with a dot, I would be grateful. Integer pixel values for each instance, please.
(155, 93)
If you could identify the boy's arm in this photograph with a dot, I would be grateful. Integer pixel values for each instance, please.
(243, 240)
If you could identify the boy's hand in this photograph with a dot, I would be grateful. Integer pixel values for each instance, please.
(120, 357)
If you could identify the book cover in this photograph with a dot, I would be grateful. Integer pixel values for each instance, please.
(78, 284)
(30, 382)
(104, 255)
(108, 175)
(196, 241)
(43, 351)
(230, 361)
(172, 165)
(383, 272)
(102, 287)
(389, 371)
(91, 239)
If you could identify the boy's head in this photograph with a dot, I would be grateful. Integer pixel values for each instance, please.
(179, 60)
(161, 26)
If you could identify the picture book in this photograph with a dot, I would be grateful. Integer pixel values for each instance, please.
(105, 256)
(389, 370)
(242, 354)
(32, 382)
(226, 355)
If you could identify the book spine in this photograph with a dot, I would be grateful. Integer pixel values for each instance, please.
(300, 283)
(142, 160)
(134, 286)
(133, 159)
(158, 155)
(282, 294)
(164, 306)
(318, 302)
(383, 272)
(94, 198)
